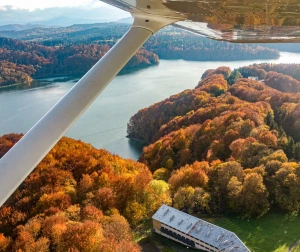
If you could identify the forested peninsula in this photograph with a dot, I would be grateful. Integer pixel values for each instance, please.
(21, 61)
(232, 140)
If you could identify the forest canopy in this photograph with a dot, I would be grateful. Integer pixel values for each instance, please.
(232, 141)
(79, 199)
(21, 61)
(230, 145)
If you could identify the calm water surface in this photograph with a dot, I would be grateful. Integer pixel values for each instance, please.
(105, 121)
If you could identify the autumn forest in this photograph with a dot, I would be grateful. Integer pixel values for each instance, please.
(231, 145)
(21, 61)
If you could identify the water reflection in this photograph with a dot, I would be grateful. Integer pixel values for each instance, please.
(136, 147)
(24, 86)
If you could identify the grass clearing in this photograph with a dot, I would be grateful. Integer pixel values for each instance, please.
(274, 232)
(142, 231)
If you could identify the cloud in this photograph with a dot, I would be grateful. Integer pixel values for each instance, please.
(44, 4)
(61, 15)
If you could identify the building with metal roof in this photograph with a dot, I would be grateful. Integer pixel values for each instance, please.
(194, 232)
(253, 78)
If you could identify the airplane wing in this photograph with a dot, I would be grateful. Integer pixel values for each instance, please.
(230, 20)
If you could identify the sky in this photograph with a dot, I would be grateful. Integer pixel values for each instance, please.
(57, 12)
(43, 4)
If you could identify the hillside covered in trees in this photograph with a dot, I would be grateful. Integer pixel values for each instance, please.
(75, 34)
(229, 145)
(169, 43)
(21, 61)
(174, 43)
(79, 199)
(73, 50)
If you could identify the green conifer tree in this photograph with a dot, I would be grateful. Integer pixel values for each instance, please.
(290, 148)
(297, 151)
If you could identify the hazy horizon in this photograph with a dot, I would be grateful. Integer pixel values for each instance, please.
(58, 14)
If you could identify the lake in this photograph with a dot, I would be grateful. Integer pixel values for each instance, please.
(104, 123)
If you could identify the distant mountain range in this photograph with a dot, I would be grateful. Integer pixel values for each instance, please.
(60, 16)
(55, 23)
(19, 27)
(128, 20)
(63, 21)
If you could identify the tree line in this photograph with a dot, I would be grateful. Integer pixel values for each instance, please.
(21, 61)
(174, 43)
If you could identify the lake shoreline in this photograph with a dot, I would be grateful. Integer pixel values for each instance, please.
(77, 75)
(104, 123)
(137, 140)
(132, 70)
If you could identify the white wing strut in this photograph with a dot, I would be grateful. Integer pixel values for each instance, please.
(19, 161)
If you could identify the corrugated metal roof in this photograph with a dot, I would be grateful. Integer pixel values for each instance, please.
(213, 235)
